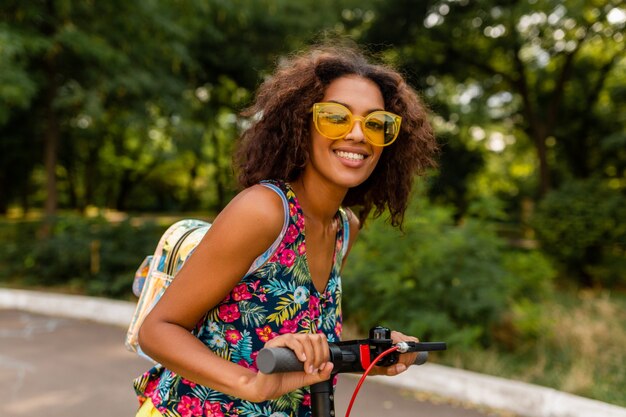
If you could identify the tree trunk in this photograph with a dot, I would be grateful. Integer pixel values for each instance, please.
(90, 179)
(545, 181)
(51, 126)
(191, 199)
(51, 146)
(4, 201)
(125, 187)
(536, 129)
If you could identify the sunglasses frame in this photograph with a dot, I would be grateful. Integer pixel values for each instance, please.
(397, 120)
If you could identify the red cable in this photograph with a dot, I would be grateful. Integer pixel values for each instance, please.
(367, 371)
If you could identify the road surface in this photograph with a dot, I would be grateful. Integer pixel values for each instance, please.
(61, 367)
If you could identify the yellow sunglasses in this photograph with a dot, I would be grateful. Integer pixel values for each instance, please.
(335, 121)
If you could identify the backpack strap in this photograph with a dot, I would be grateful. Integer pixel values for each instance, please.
(343, 214)
(265, 256)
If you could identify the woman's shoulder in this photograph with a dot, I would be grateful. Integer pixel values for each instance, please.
(257, 201)
(256, 211)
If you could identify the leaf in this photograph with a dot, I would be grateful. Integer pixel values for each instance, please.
(243, 349)
(289, 401)
(254, 410)
(269, 270)
(279, 287)
(300, 271)
(285, 308)
(252, 313)
(206, 393)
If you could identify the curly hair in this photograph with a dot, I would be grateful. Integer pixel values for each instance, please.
(277, 144)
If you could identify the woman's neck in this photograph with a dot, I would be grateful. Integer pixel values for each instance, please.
(319, 202)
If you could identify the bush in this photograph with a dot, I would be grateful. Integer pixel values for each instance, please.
(97, 257)
(582, 226)
(531, 275)
(530, 286)
(437, 280)
(121, 248)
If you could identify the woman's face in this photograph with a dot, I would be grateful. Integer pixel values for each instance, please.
(348, 161)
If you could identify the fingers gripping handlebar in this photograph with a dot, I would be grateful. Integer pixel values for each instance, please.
(349, 356)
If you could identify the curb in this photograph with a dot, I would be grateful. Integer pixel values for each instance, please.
(498, 393)
(101, 310)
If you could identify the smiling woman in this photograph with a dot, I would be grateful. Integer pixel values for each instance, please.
(286, 101)
(336, 133)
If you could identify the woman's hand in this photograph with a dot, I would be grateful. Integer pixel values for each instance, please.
(311, 349)
(405, 360)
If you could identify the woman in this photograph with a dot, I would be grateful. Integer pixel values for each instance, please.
(329, 130)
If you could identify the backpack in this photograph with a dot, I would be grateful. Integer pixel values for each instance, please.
(175, 246)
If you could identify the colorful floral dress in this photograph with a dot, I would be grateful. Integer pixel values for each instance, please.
(278, 298)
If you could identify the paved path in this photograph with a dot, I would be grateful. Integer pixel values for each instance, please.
(62, 367)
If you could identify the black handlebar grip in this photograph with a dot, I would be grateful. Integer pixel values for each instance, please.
(421, 359)
(273, 360)
(281, 359)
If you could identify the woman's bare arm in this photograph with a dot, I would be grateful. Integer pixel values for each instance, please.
(242, 231)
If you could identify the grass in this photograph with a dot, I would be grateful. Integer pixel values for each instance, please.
(580, 350)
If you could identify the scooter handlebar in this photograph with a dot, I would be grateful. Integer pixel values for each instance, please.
(281, 359)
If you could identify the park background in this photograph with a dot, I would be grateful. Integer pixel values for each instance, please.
(118, 118)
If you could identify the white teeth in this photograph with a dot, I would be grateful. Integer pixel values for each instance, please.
(350, 155)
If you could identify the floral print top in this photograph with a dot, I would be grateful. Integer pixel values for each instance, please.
(278, 298)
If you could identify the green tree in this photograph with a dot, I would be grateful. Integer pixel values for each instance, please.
(74, 60)
(534, 87)
(582, 226)
(116, 92)
(550, 71)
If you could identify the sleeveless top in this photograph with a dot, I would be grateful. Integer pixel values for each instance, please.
(278, 298)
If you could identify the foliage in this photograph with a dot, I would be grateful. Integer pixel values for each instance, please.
(530, 285)
(582, 225)
(449, 281)
(89, 254)
(457, 166)
(120, 94)
(98, 110)
(580, 348)
(538, 86)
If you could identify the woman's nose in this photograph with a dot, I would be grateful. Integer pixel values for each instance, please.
(356, 133)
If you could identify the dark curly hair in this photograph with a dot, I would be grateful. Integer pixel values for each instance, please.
(277, 144)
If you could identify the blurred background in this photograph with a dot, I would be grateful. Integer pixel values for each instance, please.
(118, 118)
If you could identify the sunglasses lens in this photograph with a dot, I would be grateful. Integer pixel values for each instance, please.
(380, 128)
(333, 121)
